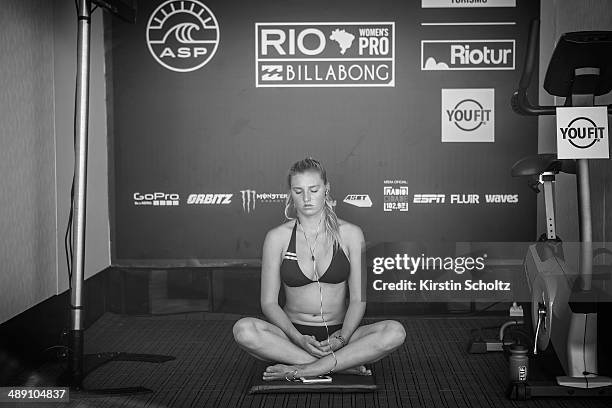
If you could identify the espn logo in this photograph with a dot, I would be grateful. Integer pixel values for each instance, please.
(429, 198)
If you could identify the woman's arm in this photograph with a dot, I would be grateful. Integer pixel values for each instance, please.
(355, 243)
(270, 285)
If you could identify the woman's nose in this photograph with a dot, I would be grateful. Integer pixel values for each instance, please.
(307, 197)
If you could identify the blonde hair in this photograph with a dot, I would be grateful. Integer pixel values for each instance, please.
(330, 220)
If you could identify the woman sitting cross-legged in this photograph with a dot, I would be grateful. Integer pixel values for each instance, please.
(317, 258)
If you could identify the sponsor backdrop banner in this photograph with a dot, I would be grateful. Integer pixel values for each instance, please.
(406, 103)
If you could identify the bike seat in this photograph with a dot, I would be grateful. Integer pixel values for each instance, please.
(542, 163)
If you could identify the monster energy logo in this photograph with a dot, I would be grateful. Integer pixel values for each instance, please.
(248, 200)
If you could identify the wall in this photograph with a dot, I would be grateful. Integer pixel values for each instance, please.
(27, 193)
(37, 44)
(558, 17)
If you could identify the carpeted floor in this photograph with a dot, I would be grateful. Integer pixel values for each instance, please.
(432, 369)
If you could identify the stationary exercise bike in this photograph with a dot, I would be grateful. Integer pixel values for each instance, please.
(565, 301)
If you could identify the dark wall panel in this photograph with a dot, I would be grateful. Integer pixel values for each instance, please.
(213, 131)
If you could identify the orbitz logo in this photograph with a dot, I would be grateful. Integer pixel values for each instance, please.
(182, 35)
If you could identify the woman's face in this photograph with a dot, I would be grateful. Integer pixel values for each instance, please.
(308, 192)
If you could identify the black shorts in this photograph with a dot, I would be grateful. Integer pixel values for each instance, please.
(319, 332)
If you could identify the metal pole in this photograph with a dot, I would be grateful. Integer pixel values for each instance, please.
(78, 258)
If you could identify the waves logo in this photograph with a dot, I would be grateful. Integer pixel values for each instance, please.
(468, 115)
(182, 35)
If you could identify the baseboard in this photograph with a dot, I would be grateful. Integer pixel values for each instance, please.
(28, 339)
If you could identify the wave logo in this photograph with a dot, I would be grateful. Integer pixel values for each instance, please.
(182, 35)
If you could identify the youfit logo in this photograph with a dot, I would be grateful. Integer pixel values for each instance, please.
(182, 35)
(582, 133)
(468, 115)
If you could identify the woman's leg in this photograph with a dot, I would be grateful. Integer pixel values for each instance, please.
(267, 342)
(368, 344)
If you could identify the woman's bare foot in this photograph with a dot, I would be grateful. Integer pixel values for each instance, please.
(360, 370)
(280, 372)
(284, 372)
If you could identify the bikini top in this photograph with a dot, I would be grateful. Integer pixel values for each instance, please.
(292, 275)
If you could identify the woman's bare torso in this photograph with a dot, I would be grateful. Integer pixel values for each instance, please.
(303, 303)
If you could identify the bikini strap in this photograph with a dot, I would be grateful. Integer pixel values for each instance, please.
(291, 247)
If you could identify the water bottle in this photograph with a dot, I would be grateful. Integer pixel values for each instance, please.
(519, 363)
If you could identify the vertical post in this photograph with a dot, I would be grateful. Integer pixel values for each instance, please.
(79, 199)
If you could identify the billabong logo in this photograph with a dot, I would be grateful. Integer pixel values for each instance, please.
(271, 72)
(582, 132)
(468, 115)
(358, 200)
(182, 35)
(467, 55)
(324, 54)
(248, 200)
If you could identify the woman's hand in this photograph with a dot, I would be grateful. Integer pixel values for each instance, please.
(311, 345)
(333, 344)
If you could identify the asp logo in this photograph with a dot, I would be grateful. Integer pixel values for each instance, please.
(467, 55)
(582, 133)
(182, 35)
(468, 115)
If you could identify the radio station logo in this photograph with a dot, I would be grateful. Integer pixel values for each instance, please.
(157, 199)
(209, 199)
(358, 200)
(395, 198)
(467, 55)
(182, 35)
(325, 54)
(429, 199)
(250, 198)
(582, 132)
(467, 3)
(468, 115)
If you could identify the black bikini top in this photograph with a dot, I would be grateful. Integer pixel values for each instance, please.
(291, 274)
